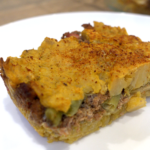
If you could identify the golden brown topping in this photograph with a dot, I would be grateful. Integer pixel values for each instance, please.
(65, 71)
(109, 31)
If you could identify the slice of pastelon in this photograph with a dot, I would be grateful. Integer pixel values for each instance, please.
(69, 88)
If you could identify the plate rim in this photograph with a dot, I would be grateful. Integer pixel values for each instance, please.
(75, 13)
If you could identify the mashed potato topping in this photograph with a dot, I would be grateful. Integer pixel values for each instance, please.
(68, 70)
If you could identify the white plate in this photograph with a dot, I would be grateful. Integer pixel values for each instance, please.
(131, 131)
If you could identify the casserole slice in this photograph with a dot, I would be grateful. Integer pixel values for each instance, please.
(70, 88)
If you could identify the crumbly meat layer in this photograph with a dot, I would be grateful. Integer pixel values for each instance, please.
(28, 100)
(89, 109)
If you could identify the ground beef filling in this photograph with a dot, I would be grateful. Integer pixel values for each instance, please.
(28, 100)
(87, 26)
(77, 34)
(90, 108)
